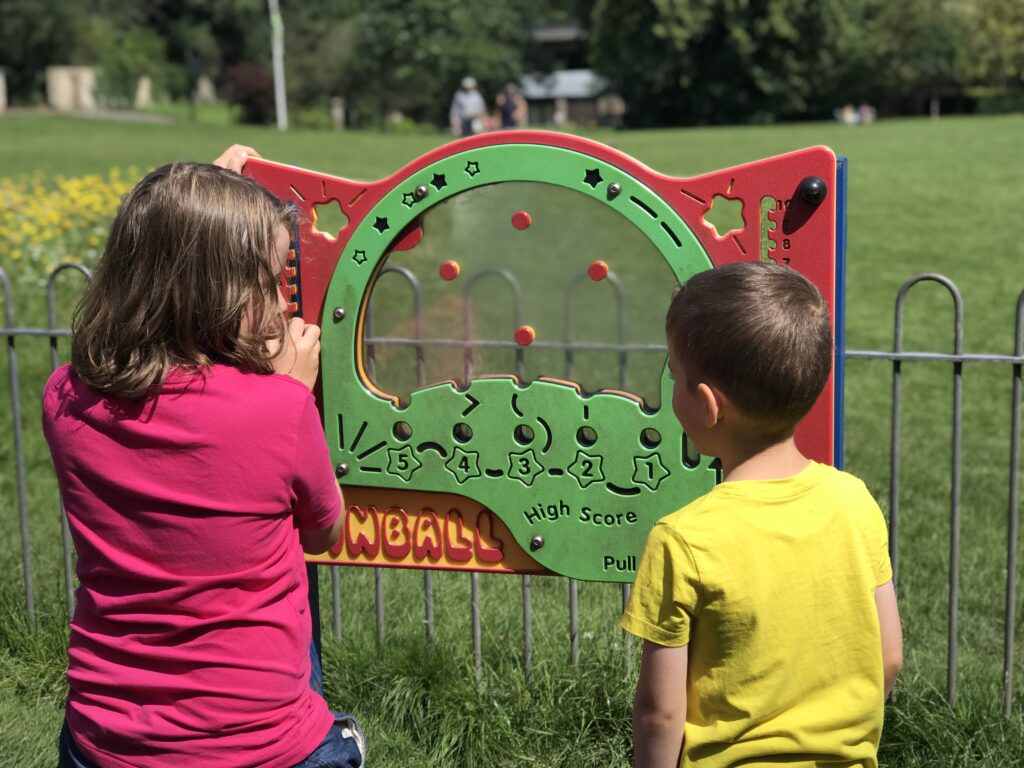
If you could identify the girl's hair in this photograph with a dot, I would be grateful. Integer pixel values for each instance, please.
(190, 256)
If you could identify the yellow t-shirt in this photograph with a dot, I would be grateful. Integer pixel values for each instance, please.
(771, 584)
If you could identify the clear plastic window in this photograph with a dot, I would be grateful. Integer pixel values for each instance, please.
(499, 261)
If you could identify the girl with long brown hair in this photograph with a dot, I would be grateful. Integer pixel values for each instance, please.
(194, 471)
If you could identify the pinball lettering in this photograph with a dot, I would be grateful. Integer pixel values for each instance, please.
(425, 535)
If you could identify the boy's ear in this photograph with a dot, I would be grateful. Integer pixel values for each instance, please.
(713, 400)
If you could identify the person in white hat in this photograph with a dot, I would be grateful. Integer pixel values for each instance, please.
(467, 110)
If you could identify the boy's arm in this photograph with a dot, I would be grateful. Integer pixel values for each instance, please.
(659, 710)
(892, 633)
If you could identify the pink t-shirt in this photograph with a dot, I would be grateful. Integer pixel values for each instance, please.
(190, 641)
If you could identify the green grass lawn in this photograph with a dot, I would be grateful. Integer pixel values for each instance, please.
(944, 196)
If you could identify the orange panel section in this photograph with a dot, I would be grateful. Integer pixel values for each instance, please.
(439, 531)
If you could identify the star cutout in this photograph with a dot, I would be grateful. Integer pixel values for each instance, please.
(408, 199)
(648, 470)
(586, 468)
(402, 463)
(359, 257)
(381, 225)
(524, 467)
(438, 181)
(472, 168)
(463, 464)
(593, 178)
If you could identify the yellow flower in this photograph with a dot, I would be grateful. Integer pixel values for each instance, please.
(42, 215)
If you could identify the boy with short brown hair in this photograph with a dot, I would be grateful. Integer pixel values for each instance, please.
(767, 608)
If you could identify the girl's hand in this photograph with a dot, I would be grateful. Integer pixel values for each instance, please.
(234, 157)
(300, 355)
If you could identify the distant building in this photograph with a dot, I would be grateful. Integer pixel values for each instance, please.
(571, 96)
(568, 92)
(559, 46)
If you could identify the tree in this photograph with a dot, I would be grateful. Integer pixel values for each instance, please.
(723, 61)
(409, 55)
(34, 35)
(995, 31)
(125, 52)
(206, 36)
(921, 49)
(320, 40)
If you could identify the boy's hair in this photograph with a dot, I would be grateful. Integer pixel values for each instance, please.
(190, 253)
(759, 332)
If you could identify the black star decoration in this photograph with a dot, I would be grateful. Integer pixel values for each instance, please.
(408, 199)
(381, 225)
(593, 178)
(472, 167)
(359, 257)
(438, 181)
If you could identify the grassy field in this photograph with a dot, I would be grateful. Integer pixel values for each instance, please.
(924, 196)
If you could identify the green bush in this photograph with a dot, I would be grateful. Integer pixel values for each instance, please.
(315, 117)
(124, 54)
(999, 101)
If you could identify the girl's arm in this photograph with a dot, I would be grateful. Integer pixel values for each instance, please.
(316, 542)
(659, 710)
(234, 157)
(892, 633)
(300, 355)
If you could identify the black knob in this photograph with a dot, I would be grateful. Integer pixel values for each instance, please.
(812, 190)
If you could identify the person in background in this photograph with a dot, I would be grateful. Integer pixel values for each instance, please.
(512, 107)
(467, 110)
(866, 114)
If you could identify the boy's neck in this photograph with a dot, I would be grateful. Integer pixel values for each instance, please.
(775, 461)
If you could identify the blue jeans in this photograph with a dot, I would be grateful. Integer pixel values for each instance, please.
(342, 747)
(69, 755)
(345, 745)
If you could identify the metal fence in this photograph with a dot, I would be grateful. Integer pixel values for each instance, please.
(898, 356)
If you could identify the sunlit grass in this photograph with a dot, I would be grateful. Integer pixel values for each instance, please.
(924, 196)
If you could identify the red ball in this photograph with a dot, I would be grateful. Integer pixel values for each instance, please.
(449, 270)
(598, 271)
(525, 335)
(521, 220)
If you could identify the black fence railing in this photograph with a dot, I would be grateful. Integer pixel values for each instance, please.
(956, 360)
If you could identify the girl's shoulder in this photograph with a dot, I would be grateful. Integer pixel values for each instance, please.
(265, 384)
(221, 386)
(59, 386)
(58, 378)
(274, 399)
(66, 400)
